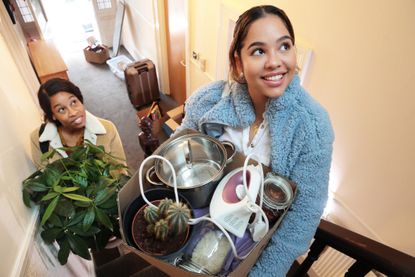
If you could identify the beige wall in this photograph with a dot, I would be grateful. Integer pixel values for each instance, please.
(362, 72)
(15, 164)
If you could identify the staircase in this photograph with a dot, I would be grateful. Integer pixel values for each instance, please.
(118, 261)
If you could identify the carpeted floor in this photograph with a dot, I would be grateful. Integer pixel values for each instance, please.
(106, 96)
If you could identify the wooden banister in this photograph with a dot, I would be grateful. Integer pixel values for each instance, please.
(369, 254)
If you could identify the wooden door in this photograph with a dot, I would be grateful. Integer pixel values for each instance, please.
(176, 25)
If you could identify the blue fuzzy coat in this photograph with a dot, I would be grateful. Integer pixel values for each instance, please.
(301, 149)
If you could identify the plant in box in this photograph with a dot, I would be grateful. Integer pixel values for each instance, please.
(161, 229)
(155, 223)
(77, 199)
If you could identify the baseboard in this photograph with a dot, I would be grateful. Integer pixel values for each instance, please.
(22, 258)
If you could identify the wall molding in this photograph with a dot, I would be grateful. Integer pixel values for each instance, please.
(22, 258)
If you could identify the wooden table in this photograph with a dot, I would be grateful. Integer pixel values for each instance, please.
(47, 61)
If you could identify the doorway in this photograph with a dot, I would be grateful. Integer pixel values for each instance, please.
(70, 23)
(176, 29)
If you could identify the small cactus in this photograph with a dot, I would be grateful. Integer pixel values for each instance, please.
(178, 216)
(164, 206)
(150, 229)
(161, 230)
(151, 214)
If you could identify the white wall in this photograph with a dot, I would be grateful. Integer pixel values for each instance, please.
(19, 116)
(362, 72)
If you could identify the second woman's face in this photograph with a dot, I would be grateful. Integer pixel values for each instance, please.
(268, 58)
(68, 110)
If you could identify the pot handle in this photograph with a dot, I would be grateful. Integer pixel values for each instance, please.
(150, 173)
(232, 146)
(140, 178)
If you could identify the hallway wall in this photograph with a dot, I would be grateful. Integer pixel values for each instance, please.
(19, 116)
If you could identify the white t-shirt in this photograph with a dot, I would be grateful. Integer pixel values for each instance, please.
(260, 145)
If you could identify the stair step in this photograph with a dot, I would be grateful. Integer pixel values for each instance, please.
(123, 266)
(150, 271)
(105, 256)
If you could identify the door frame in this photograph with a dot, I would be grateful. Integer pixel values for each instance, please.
(162, 47)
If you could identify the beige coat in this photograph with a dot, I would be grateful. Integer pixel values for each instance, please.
(97, 130)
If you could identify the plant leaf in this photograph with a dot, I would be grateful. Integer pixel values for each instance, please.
(88, 219)
(51, 176)
(76, 219)
(47, 155)
(78, 153)
(104, 195)
(70, 189)
(82, 181)
(57, 188)
(49, 196)
(82, 204)
(50, 235)
(78, 230)
(36, 186)
(54, 219)
(96, 149)
(77, 197)
(33, 176)
(109, 204)
(49, 210)
(79, 246)
(65, 207)
(64, 250)
(103, 218)
(26, 197)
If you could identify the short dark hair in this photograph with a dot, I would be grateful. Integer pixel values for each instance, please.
(52, 87)
(241, 30)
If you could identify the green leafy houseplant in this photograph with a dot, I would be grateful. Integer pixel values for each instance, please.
(77, 199)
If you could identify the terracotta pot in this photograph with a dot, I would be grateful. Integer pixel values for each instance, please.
(148, 244)
(132, 222)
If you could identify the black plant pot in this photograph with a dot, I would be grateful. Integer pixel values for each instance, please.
(151, 194)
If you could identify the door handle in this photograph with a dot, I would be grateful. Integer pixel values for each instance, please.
(183, 63)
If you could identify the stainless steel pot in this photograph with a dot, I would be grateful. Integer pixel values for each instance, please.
(198, 160)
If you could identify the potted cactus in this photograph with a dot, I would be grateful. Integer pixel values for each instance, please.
(161, 230)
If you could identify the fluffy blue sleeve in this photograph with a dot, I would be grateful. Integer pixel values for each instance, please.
(310, 171)
(199, 103)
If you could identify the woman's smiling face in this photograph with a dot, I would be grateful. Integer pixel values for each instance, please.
(268, 59)
(68, 110)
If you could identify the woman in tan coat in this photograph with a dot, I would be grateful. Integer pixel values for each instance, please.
(67, 123)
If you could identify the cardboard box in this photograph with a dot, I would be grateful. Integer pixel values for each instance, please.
(96, 57)
(176, 113)
(174, 121)
(132, 190)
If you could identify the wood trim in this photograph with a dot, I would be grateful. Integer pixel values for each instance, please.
(369, 254)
